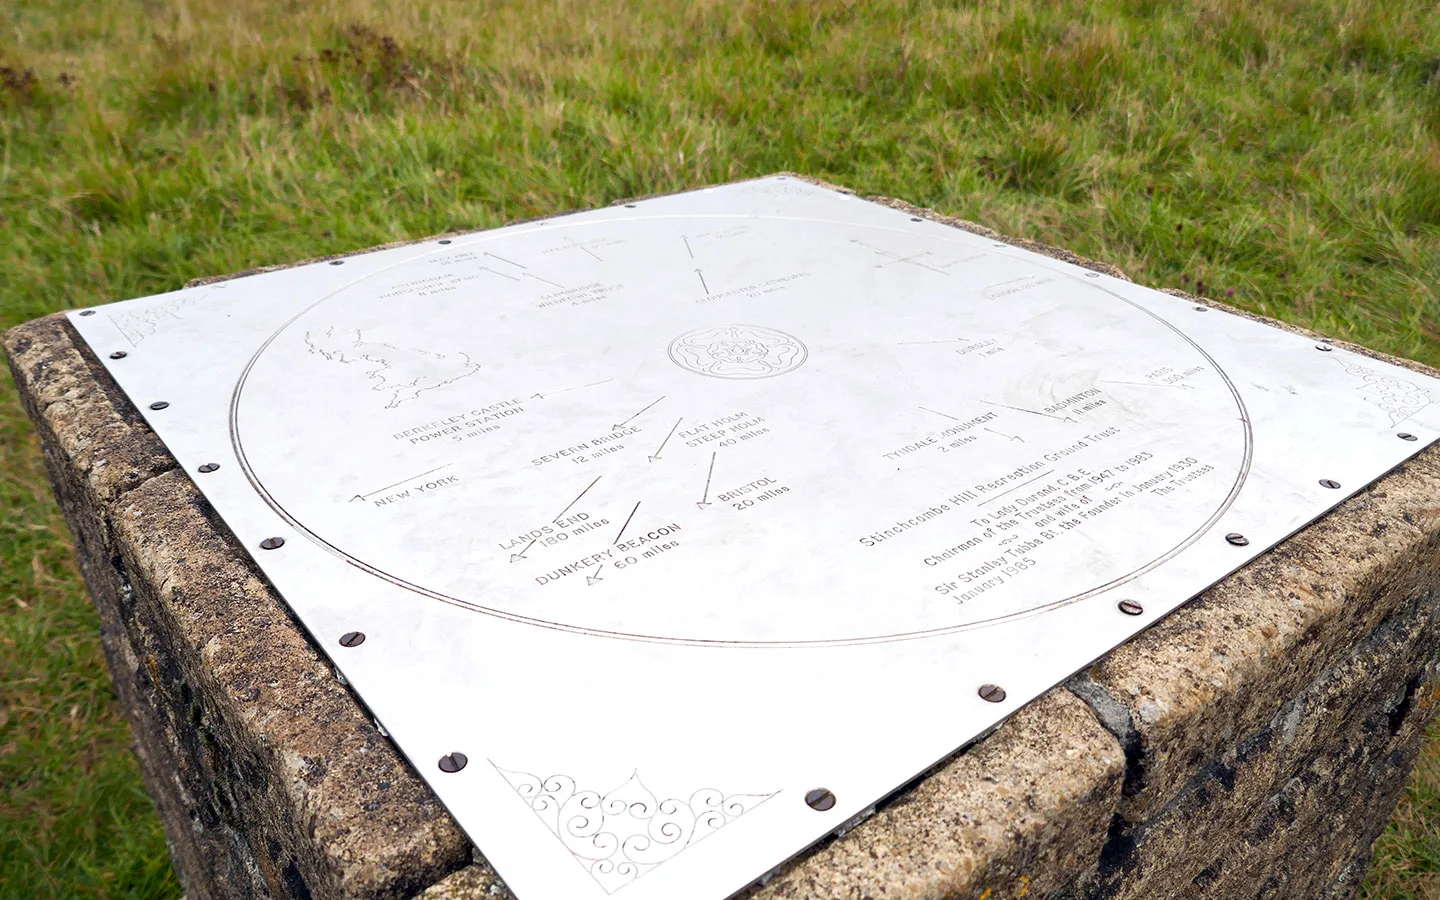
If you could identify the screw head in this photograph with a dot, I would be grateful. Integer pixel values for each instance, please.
(1092, 274)
(1329, 483)
(1326, 348)
(1202, 309)
(629, 206)
(337, 262)
(352, 638)
(820, 799)
(159, 404)
(119, 354)
(1406, 436)
(992, 693)
(1131, 608)
(916, 219)
(445, 241)
(453, 762)
(1237, 539)
(87, 312)
(272, 543)
(209, 467)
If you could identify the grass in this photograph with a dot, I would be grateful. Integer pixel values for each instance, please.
(1407, 856)
(1284, 154)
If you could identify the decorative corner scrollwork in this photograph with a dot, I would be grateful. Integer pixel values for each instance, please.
(1401, 399)
(624, 833)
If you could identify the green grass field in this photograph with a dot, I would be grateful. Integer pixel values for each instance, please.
(1282, 154)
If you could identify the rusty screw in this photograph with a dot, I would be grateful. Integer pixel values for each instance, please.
(1131, 608)
(453, 762)
(352, 638)
(119, 354)
(820, 799)
(272, 543)
(992, 693)
(1329, 483)
(1237, 539)
(159, 404)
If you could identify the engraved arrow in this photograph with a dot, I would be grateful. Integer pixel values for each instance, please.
(495, 272)
(627, 523)
(1030, 411)
(504, 260)
(1013, 437)
(938, 413)
(538, 278)
(895, 257)
(627, 421)
(516, 557)
(687, 246)
(538, 396)
(583, 247)
(946, 341)
(704, 502)
(575, 501)
(702, 282)
(591, 579)
(397, 484)
(656, 455)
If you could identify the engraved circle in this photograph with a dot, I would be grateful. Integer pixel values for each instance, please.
(738, 352)
(271, 468)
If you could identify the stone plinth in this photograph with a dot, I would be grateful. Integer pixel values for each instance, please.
(1253, 743)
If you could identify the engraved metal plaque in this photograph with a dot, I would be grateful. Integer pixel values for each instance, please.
(657, 519)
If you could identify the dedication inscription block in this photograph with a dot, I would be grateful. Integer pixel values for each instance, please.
(657, 520)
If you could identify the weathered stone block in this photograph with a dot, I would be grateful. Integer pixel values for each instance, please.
(1302, 797)
(1227, 663)
(258, 801)
(1011, 815)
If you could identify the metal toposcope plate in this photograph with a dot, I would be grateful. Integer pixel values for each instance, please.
(659, 520)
